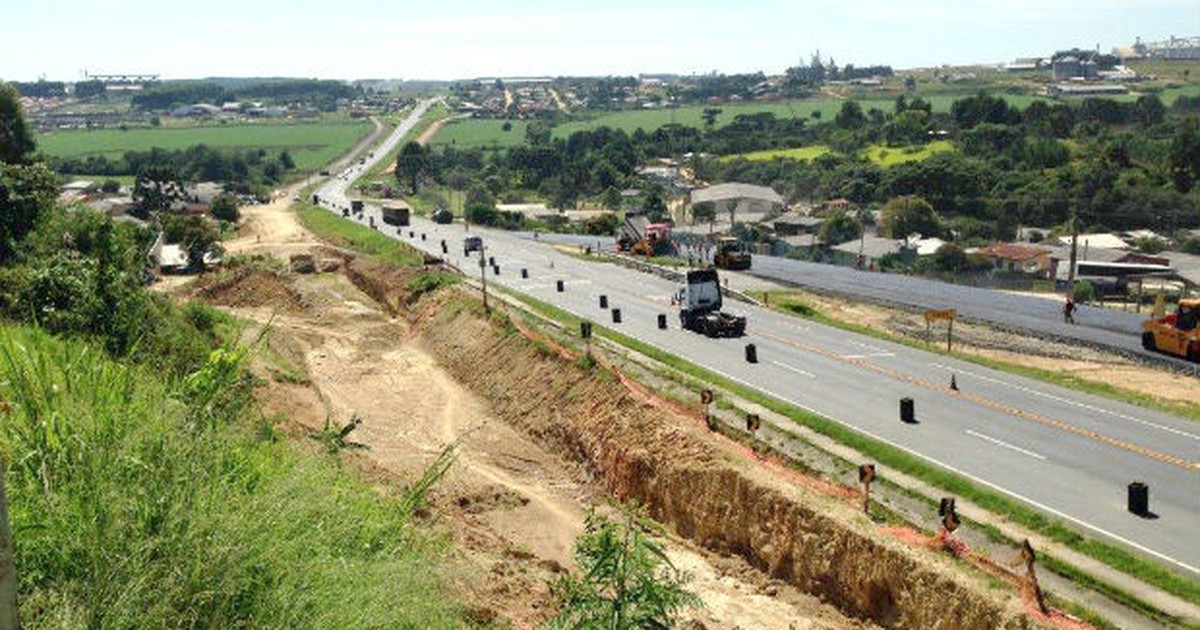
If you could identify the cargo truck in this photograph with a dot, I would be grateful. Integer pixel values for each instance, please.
(395, 215)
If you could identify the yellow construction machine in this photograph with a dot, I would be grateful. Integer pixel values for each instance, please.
(1175, 333)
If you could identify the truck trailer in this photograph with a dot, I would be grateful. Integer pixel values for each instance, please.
(395, 215)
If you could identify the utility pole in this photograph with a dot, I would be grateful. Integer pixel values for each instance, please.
(1074, 251)
(483, 277)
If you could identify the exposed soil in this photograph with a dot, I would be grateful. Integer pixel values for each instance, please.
(1067, 359)
(540, 440)
(513, 504)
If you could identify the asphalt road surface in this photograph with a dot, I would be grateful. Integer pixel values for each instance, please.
(1065, 453)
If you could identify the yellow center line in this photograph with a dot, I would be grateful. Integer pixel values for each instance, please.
(998, 406)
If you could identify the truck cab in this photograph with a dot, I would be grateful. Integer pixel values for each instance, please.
(472, 244)
(700, 306)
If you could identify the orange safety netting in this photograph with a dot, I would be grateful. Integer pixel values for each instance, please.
(944, 541)
(940, 541)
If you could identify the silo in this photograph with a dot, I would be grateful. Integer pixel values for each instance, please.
(1066, 68)
(1090, 70)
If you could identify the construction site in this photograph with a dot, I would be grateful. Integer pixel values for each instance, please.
(777, 529)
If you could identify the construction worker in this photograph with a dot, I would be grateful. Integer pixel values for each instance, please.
(1069, 311)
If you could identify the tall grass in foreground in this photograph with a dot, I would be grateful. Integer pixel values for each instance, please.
(142, 504)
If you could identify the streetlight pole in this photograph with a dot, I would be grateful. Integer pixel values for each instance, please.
(483, 277)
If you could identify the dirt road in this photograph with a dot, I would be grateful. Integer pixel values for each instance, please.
(513, 509)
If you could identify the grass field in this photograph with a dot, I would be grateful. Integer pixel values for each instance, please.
(311, 145)
(472, 133)
(798, 153)
(877, 153)
(888, 156)
(489, 133)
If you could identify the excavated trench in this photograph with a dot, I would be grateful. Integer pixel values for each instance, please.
(705, 489)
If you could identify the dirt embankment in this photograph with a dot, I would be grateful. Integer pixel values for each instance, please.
(706, 489)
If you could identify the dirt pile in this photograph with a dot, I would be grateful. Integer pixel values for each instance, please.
(249, 286)
(706, 489)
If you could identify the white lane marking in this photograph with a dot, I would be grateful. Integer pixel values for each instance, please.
(1005, 444)
(1041, 506)
(871, 355)
(794, 369)
(1067, 401)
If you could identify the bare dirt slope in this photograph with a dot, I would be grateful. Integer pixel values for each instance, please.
(513, 507)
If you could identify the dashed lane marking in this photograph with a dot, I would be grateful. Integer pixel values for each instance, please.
(1005, 444)
(996, 405)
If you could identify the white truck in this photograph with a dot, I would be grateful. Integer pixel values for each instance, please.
(700, 306)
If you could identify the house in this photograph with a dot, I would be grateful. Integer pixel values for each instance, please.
(926, 246)
(1099, 241)
(735, 200)
(203, 192)
(791, 224)
(113, 206)
(831, 206)
(867, 252)
(196, 110)
(1015, 257)
(1070, 89)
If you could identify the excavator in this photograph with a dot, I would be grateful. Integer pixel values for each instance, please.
(730, 255)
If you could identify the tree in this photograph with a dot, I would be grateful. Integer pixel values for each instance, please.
(655, 207)
(704, 212)
(538, 134)
(850, 116)
(602, 225)
(907, 215)
(949, 257)
(110, 186)
(27, 192)
(16, 140)
(1185, 155)
(224, 207)
(710, 116)
(195, 233)
(626, 579)
(611, 199)
(840, 228)
(412, 165)
(156, 188)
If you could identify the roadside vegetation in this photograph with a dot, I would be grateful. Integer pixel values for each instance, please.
(145, 487)
(138, 501)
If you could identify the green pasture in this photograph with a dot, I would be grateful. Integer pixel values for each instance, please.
(489, 133)
(481, 132)
(888, 156)
(311, 145)
(877, 153)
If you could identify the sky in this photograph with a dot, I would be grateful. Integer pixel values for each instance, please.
(459, 39)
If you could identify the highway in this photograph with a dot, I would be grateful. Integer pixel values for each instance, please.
(1065, 453)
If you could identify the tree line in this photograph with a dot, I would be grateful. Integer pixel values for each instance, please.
(320, 93)
(242, 170)
(1112, 164)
